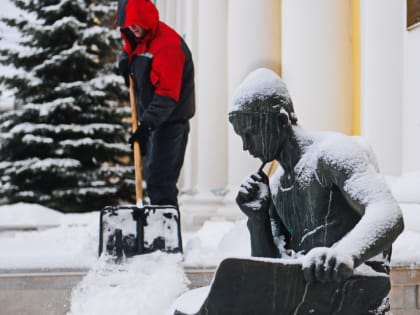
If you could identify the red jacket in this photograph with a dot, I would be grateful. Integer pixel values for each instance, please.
(161, 65)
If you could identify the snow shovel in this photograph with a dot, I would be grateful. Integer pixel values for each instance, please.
(136, 147)
(126, 231)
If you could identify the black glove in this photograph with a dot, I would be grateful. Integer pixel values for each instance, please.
(141, 135)
(124, 67)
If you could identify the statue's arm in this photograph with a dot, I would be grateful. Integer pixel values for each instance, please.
(262, 240)
(381, 217)
(254, 199)
(380, 221)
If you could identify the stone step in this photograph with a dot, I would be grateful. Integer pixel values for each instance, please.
(47, 292)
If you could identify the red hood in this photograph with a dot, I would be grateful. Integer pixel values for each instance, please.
(142, 13)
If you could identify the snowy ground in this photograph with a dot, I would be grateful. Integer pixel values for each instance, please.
(71, 240)
(149, 284)
(144, 285)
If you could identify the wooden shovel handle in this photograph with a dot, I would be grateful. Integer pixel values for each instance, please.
(136, 145)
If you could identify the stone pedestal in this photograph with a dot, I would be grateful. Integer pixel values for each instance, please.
(270, 287)
(405, 293)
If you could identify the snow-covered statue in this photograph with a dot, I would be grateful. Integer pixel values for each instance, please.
(326, 205)
(321, 227)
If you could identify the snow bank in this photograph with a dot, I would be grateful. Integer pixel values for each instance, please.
(406, 188)
(73, 242)
(215, 241)
(406, 249)
(23, 214)
(411, 214)
(190, 302)
(145, 284)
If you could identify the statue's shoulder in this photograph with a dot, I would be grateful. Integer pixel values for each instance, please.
(343, 151)
(336, 152)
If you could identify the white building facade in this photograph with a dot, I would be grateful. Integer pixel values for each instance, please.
(350, 66)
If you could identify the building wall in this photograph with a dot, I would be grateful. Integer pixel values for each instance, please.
(390, 85)
(317, 62)
(228, 40)
(411, 101)
(382, 27)
(313, 45)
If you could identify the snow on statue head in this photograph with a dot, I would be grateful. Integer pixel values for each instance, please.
(262, 114)
(263, 91)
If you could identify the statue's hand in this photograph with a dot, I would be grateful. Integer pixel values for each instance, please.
(327, 264)
(254, 196)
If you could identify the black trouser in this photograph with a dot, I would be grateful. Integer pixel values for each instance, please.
(163, 161)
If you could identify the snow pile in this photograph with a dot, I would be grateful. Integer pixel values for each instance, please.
(145, 284)
(406, 188)
(71, 243)
(411, 214)
(21, 214)
(406, 248)
(190, 302)
(215, 241)
(61, 247)
(201, 250)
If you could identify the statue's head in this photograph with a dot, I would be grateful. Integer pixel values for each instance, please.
(262, 113)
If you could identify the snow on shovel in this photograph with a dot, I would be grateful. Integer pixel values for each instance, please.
(131, 230)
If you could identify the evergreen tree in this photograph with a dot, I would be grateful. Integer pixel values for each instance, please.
(64, 146)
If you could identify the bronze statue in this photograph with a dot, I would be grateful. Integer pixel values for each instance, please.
(327, 200)
(327, 214)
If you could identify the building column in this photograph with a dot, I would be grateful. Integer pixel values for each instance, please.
(382, 77)
(181, 15)
(187, 24)
(411, 108)
(203, 25)
(317, 62)
(168, 12)
(211, 73)
(253, 42)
